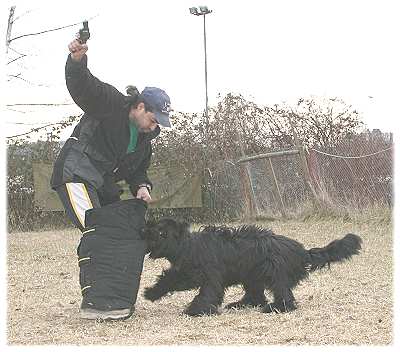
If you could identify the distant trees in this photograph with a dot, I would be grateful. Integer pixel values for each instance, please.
(237, 126)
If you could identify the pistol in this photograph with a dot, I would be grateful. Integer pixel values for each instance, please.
(84, 33)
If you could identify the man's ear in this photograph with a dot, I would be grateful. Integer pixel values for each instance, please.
(140, 106)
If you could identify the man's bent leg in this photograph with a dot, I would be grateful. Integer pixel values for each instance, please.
(77, 198)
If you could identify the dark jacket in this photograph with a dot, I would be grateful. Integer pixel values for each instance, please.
(96, 152)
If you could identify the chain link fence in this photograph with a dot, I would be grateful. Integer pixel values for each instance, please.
(268, 187)
(355, 174)
(357, 180)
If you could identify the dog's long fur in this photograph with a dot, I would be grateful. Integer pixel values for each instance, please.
(218, 257)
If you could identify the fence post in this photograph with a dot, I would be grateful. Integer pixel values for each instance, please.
(269, 156)
(248, 197)
(251, 201)
(278, 192)
(303, 162)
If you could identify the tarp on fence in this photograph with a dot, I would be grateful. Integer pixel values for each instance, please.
(172, 188)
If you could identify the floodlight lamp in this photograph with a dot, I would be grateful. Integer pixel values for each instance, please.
(204, 10)
(193, 11)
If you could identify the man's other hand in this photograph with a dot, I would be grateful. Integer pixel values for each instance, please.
(144, 194)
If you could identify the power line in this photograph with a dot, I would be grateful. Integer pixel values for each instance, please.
(29, 82)
(39, 104)
(28, 123)
(46, 31)
(37, 129)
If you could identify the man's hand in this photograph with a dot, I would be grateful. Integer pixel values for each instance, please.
(77, 50)
(144, 194)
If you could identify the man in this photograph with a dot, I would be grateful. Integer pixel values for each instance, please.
(111, 142)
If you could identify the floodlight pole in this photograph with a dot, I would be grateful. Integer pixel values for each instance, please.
(203, 11)
(205, 65)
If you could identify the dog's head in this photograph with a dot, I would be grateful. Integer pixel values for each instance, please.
(164, 237)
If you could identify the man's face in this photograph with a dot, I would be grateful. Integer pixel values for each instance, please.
(144, 120)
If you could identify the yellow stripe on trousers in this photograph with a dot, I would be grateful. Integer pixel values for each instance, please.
(80, 201)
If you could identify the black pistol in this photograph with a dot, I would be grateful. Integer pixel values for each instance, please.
(84, 33)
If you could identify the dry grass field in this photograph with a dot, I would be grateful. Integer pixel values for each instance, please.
(352, 304)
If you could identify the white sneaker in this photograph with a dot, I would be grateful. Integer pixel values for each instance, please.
(95, 314)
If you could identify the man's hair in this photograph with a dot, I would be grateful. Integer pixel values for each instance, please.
(134, 98)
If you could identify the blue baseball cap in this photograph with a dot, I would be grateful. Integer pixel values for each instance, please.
(159, 101)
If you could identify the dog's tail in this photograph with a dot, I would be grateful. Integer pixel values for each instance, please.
(336, 251)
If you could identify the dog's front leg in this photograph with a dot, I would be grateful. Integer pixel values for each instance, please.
(209, 298)
(169, 281)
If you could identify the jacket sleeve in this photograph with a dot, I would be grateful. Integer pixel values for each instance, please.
(139, 176)
(88, 92)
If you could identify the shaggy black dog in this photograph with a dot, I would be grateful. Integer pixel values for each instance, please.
(218, 257)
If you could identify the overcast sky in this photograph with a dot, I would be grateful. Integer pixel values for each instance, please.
(269, 51)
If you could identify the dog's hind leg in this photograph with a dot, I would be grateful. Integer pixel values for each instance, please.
(209, 298)
(254, 296)
(284, 300)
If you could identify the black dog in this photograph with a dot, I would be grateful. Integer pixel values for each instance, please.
(218, 257)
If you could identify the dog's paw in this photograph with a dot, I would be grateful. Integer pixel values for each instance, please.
(236, 305)
(151, 294)
(197, 311)
(245, 303)
(279, 308)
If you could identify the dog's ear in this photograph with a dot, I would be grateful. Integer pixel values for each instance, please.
(150, 222)
(184, 226)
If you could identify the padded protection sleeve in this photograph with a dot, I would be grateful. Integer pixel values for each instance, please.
(111, 254)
